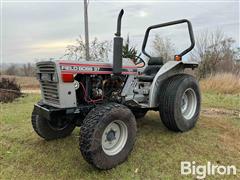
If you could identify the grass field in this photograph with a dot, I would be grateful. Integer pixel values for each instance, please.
(157, 153)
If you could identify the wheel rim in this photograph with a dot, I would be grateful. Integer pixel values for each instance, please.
(188, 103)
(114, 137)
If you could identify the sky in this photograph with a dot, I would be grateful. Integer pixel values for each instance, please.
(33, 30)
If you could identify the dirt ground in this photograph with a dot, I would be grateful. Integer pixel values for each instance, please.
(216, 112)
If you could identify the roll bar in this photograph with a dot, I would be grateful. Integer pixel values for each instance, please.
(170, 24)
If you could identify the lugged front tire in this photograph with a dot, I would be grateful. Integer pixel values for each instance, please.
(180, 102)
(107, 135)
(51, 130)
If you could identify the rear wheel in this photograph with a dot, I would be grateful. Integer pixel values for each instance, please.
(180, 103)
(107, 135)
(54, 129)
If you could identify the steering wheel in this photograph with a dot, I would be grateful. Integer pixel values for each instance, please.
(140, 61)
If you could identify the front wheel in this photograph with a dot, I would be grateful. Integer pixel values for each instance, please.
(180, 102)
(51, 129)
(107, 135)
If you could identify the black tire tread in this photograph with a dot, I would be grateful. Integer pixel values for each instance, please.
(42, 128)
(167, 97)
(88, 128)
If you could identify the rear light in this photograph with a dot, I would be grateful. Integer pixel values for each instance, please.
(67, 78)
(177, 58)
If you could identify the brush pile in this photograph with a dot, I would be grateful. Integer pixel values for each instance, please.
(9, 90)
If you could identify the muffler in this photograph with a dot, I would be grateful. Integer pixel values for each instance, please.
(117, 47)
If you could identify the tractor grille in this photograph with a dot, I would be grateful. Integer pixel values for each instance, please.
(46, 67)
(50, 92)
(48, 86)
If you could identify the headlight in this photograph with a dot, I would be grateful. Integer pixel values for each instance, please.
(45, 77)
(76, 84)
(54, 78)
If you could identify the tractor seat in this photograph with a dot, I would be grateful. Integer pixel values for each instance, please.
(154, 64)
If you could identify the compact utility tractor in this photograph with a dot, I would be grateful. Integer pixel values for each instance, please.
(105, 99)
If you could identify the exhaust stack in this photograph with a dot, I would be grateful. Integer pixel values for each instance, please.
(117, 47)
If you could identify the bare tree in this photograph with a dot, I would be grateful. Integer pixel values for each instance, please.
(98, 50)
(11, 70)
(163, 48)
(20, 70)
(28, 70)
(215, 53)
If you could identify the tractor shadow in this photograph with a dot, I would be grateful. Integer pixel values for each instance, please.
(151, 122)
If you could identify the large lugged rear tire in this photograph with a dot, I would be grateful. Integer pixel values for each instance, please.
(107, 135)
(50, 130)
(180, 102)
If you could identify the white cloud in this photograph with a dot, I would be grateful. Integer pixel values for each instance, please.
(33, 30)
(142, 13)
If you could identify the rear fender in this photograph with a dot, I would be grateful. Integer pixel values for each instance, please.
(169, 69)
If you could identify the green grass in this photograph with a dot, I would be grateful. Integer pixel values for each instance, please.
(217, 100)
(157, 153)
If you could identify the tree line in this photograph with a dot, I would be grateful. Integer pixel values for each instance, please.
(27, 69)
(214, 51)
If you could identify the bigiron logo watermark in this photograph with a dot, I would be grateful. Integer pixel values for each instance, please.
(201, 171)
